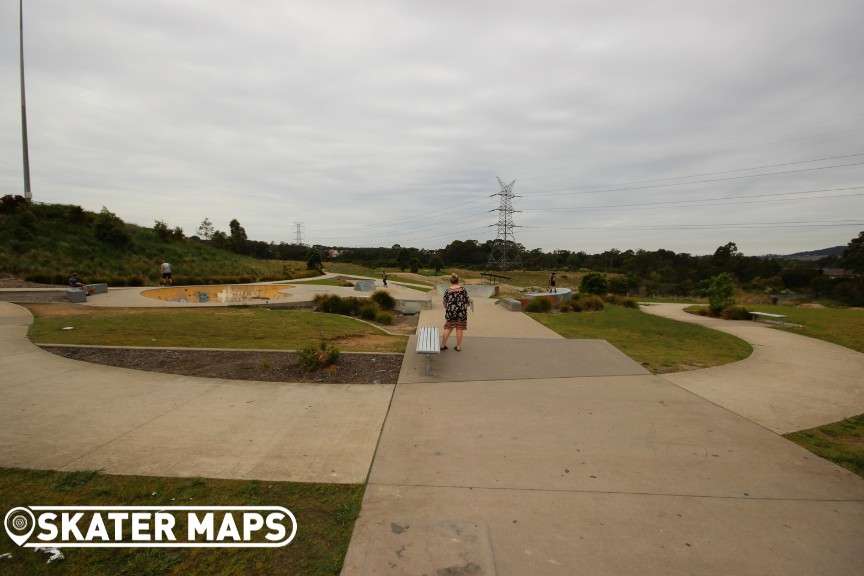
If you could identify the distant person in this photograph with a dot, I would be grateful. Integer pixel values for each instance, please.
(76, 282)
(456, 302)
(165, 268)
(552, 283)
(384, 277)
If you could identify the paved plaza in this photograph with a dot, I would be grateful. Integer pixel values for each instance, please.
(523, 454)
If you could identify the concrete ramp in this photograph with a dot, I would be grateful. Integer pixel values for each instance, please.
(519, 359)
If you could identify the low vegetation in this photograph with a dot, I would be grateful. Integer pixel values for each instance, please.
(659, 344)
(230, 327)
(373, 309)
(320, 355)
(843, 326)
(325, 515)
(841, 442)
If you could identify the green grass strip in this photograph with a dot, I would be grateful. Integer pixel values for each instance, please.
(841, 442)
(228, 327)
(659, 344)
(325, 518)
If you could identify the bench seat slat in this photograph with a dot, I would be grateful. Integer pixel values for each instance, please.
(428, 343)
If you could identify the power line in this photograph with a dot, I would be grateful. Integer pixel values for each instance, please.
(573, 193)
(734, 200)
(792, 224)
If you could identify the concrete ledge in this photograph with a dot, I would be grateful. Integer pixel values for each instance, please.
(511, 304)
(100, 288)
(76, 295)
(413, 305)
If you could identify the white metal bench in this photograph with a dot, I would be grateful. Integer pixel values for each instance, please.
(428, 343)
(780, 317)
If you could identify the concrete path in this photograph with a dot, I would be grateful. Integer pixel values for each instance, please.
(487, 468)
(789, 383)
(67, 415)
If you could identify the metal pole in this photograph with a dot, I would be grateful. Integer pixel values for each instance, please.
(27, 194)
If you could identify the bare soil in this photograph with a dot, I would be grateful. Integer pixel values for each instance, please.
(269, 366)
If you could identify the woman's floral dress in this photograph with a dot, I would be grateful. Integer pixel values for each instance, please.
(456, 309)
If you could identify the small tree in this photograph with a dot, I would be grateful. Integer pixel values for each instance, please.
(594, 283)
(162, 231)
(403, 258)
(206, 229)
(313, 260)
(720, 292)
(237, 239)
(436, 263)
(414, 265)
(111, 229)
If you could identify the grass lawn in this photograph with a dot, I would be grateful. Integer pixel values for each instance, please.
(229, 327)
(841, 442)
(837, 325)
(659, 344)
(325, 516)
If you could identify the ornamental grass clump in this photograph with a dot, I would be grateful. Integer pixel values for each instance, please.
(541, 305)
(385, 318)
(315, 356)
(368, 311)
(384, 300)
(589, 303)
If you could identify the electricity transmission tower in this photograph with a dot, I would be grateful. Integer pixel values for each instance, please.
(505, 251)
(299, 238)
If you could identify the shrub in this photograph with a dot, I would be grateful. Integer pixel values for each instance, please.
(333, 304)
(385, 318)
(368, 311)
(565, 307)
(384, 300)
(736, 313)
(539, 305)
(314, 356)
(111, 230)
(329, 303)
(594, 283)
(720, 292)
(590, 303)
(622, 301)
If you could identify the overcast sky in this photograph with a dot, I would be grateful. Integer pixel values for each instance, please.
(633, 124)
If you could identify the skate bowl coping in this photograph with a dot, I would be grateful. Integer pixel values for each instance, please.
(561, 295)
(222, 294)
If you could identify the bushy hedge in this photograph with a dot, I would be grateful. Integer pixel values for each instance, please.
(365, 308)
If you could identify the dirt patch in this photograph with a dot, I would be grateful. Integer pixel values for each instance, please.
(817, 306)
(270, 366)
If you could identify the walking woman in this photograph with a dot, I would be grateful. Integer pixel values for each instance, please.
(456, 302)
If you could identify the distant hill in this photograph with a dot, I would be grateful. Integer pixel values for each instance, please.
(816, 254)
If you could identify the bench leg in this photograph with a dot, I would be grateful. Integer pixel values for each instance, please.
(427, 369)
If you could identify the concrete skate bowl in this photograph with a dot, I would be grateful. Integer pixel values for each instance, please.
(219, 294)
(562, 295)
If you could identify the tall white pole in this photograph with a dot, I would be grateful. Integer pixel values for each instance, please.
(27, 194)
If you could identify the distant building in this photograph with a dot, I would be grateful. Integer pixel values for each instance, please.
(837, 273)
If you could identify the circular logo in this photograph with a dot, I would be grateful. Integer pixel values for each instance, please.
(19, 523)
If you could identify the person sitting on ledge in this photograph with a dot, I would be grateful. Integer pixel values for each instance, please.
(76, 282)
